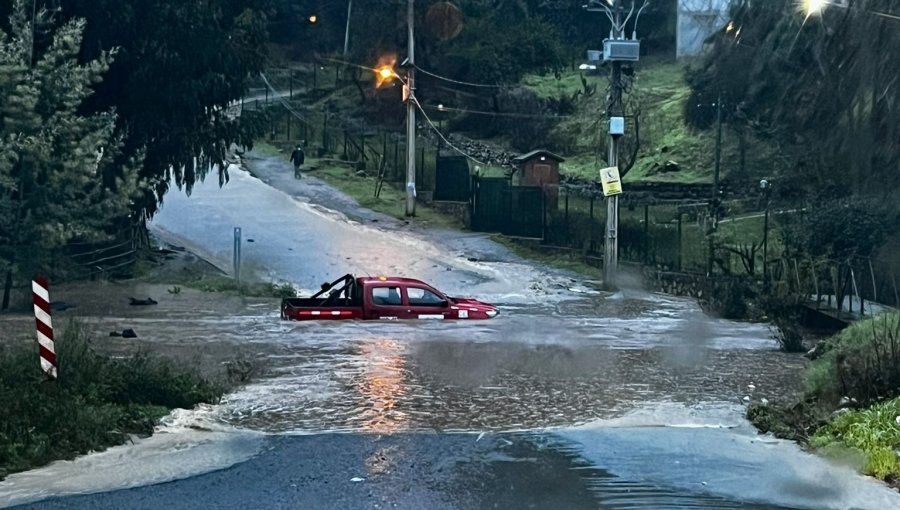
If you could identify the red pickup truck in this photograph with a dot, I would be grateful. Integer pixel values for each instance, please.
(371, 298)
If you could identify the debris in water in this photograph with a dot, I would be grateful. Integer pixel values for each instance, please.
(482, 434)
(128, 333)
(357, 479)
(143, 302)
(59, 306)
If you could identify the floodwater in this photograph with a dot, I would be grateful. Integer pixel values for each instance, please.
(643, 387)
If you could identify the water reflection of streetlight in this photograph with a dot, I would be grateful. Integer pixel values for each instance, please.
(381, 386)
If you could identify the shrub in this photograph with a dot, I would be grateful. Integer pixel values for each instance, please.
(727, 298)
(96, 402)
(862, 363)
(784, 310)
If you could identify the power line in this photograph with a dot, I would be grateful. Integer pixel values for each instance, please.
(281, 100)
(459, 82)
(444, 138)
(499, 114)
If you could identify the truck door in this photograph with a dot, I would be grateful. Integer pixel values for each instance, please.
(426, 304)
(387, 303)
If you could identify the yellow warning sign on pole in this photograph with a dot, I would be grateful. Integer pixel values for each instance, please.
(609, 178)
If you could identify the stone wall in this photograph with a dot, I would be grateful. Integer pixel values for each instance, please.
(458, 210)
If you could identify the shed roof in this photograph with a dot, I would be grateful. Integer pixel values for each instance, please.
(535, 154)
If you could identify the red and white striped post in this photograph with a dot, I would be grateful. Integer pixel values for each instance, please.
(40, 288)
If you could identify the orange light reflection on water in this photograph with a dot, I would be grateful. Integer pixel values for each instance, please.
(381, 386)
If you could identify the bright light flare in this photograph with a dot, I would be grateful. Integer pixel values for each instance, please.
(813, 7)
(384, 73)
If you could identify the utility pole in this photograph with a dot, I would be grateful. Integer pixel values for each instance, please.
(347, 30)
(614, 109)
(714, 203)
(616, 49)
(410, 113)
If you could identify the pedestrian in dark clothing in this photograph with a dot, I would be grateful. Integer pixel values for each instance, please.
(297, 158)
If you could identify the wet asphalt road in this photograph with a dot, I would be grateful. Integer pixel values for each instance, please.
(406, 471)
(569, 399)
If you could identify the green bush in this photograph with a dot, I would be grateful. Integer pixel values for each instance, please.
(785, 311)
(227, 284)
(875, 432)
(862, 363)
(96, 402)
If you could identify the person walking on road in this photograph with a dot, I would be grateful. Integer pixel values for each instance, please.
(297, 158)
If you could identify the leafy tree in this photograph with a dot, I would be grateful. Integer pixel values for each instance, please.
(52, 156)
(178, 67)
(822, 88)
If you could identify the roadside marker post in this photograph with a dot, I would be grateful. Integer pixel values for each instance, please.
(41, 299)
(237, 255)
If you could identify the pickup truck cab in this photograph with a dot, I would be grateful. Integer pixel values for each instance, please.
(382, 298)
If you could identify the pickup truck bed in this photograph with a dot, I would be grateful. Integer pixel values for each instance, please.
(314, 309)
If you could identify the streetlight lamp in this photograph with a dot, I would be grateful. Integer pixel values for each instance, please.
(386, 73)
(765, 187)
(817, 7)
(813, 7)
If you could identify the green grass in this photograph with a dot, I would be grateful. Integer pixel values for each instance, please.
(228, 285)
(391, 201)
(265, 148)
(96, 402)
(662, 92)
(569, 83)
(862, 362)
(874, 432)
(569, 261)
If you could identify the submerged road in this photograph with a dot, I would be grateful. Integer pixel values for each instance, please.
(570, 399)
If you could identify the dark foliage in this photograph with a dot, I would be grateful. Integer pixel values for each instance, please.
(178, 66)
(820, 88)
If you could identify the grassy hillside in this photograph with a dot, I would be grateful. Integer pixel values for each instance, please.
(661, 93)
(659, 90)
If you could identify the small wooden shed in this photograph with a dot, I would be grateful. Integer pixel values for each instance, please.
(539, 168)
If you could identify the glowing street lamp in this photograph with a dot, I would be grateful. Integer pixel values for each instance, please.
(385, 73)
(813, 7)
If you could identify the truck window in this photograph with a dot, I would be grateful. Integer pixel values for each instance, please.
(423, 297)
(386, 296)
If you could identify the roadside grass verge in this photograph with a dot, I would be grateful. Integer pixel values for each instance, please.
(97, 402)
(571, 261)
(859, 372)
(873, 432)
(391, 201)
(861, 363)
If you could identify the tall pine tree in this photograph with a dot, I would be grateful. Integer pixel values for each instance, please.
(52, 157)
